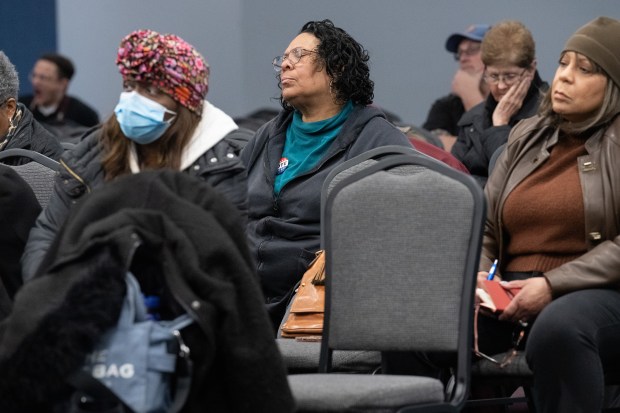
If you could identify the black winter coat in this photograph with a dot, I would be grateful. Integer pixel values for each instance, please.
(178, 236)
(478, 139)
(29, 134)
(19, 209)
(81, 172)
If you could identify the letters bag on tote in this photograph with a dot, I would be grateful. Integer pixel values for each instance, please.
(137, 361)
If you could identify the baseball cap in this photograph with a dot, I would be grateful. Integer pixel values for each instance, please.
(474, 32)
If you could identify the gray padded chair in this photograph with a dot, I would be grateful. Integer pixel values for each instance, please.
(39, 173)
(403, 238)
(304, 356)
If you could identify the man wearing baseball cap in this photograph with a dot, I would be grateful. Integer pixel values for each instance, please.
(468, 89)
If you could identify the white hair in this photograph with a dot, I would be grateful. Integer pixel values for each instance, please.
(9, 81)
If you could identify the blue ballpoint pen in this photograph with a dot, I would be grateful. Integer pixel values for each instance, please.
(492, 271)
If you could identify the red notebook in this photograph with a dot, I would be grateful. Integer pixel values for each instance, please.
(497, 297)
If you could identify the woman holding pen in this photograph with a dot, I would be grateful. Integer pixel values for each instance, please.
(554, 224)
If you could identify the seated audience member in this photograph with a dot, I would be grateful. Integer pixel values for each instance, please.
(18, 129)
(50, 104)
(468, 89)
(326, 119)
(554, 224)
(509, 56)
(162, 120)
(19, 209)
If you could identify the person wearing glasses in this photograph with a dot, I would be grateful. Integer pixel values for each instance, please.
(18, 128)
(509, 56)
(468, 89)
(162, 120)
(554, 224)
(326, 118)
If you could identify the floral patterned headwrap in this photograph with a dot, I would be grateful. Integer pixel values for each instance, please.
(168, 62)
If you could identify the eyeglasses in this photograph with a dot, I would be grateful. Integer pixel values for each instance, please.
(517, 338)
(508, 78)
(294, 56)
(45, 79)
(470, 51)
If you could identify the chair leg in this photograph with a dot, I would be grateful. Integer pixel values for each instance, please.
(529, 395)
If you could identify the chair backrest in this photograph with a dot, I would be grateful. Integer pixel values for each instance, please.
(402, 234)
(39, 173)
(494, 157)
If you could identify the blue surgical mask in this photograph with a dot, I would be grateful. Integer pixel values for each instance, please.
(141, 119)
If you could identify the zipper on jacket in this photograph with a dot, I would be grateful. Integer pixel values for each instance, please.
(75, 175)
(276, 208)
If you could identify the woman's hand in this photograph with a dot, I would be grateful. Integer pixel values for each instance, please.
(482, 275)
(535, 294)
(512, 101)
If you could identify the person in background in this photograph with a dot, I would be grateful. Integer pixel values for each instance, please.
(468, 89)
(50, 103)
(554, 224)
(326, 119)
(162, 120)
(509, 56)
(18, 128)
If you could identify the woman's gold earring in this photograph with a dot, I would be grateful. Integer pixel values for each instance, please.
(12, 127)
(14, 121)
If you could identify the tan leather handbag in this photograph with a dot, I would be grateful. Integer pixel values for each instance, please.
(305, 318)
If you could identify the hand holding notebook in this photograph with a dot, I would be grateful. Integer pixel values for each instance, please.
(494, 297)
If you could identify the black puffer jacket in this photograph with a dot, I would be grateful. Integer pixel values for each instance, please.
(284, 230)
(29, 134)
(176, 232)
(81, 172)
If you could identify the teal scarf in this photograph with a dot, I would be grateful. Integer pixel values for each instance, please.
(306, 143)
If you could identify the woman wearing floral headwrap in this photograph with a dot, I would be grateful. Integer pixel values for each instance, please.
(162, 120)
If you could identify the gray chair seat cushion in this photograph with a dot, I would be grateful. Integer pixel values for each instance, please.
(303, 357)
(359, 392)
(517, 367)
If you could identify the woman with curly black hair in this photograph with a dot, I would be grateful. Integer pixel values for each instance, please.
(326, 119)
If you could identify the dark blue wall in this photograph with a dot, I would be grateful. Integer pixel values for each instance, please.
(27, 30)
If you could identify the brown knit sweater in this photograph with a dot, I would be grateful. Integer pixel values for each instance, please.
(544, 215)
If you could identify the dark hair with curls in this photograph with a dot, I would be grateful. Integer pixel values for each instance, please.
(345, 61)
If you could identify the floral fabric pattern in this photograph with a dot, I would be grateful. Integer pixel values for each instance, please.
(168, 62)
